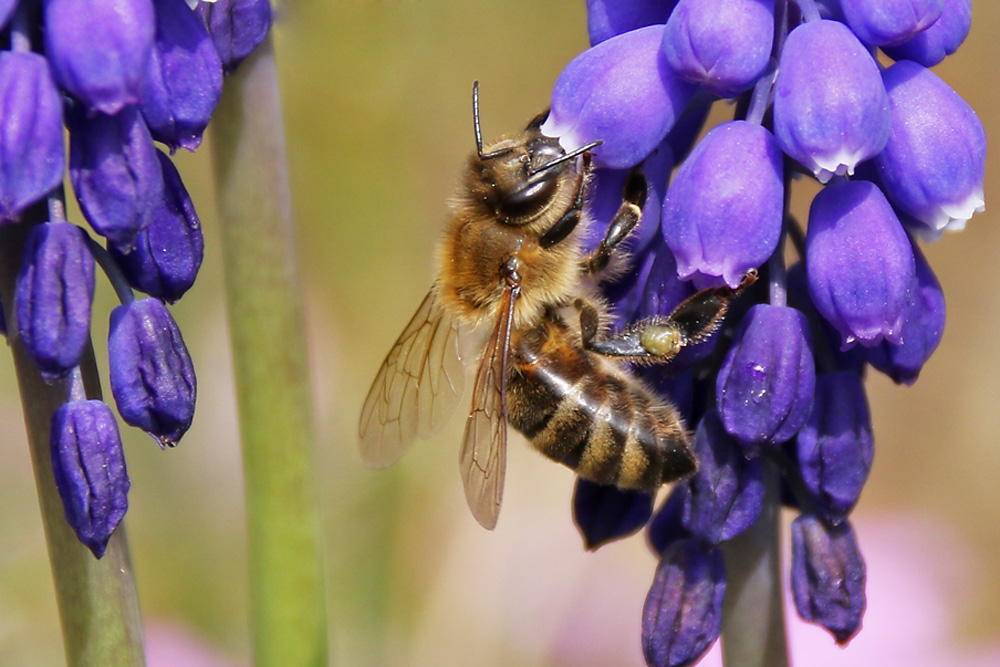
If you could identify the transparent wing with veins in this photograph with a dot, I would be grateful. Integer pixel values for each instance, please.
(483, 458)
(416, 388)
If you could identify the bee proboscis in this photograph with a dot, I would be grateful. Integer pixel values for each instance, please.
(511, 265)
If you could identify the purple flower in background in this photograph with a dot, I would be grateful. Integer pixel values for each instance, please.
(152, 378)
(777, 393)
(683, 611)
(89, 468)
(32, 158)
(830, 107)
(733, 174)
(54, 291)
(722, 45)
(828, 576)
(99, 51)
(619, 92)
(119, 75)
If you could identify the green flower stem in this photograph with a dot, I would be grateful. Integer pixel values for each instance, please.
(753, 621)
(97, 599)
(272, 374)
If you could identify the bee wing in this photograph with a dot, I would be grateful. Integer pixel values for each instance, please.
(483, 458)
(416, 388)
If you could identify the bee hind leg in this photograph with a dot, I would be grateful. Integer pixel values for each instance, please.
(622, 225)
(659, 339)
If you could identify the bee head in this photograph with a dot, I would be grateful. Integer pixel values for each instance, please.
(523, 173)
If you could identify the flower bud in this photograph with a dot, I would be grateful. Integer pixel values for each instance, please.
(115, 173)
(99, 51)
(619, 92)
(886, 22)
(765, 386)
(835, 447)
(167, 254)
(727, 491)
(683, 611)
(923, 326)
(722, 45)
(236, 27)
(53, 295)
(667, 525)
(830, 107)
(607, 18)
(828, 576)
(152, 378)
(89, 469)
(733, 174)
(941, 39)
(184, 79)
(31, 149)
(859, 263)
(934, 163)
(606, 513)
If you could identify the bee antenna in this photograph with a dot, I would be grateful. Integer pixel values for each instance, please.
(479, 134)
(475, 118)
(568, 156)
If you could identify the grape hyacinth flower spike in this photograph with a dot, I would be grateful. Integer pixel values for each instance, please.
(120, 75)
(778, 398)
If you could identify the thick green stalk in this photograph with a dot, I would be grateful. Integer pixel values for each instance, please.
(97, 600)
(753, 621)
(272, 374)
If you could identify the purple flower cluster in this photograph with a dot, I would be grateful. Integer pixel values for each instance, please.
(119, 75)
(901, 157)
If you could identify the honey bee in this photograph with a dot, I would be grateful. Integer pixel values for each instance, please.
(511, 267)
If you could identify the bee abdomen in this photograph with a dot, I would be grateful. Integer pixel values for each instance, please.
(609, 429)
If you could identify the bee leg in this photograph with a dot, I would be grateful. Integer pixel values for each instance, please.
(660, 338)
(568, 222)
(625, 221)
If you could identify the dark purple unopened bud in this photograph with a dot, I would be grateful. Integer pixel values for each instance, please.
(607, 18)
(89, 468)
(886, 22)
(859, 263)
(167, 254)
(685, 132)
(55, 288)
(733, 174)
(722, 45)
(830, 107)
(115, 172)
(667, 525)
(828, 576)
(236, 27)
(941, 39)
(619, 92)
(923, 326)
(31, 142)
(765, 387)
(152, 378)
(606, 513)
(835, 448)
(683, 611)
(934, 163)
(100, 50)
(727, 492)
(184, 79)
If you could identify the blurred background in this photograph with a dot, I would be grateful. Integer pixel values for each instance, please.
(378, 122)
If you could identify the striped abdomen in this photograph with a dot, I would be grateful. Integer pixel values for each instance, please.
(592, 415)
